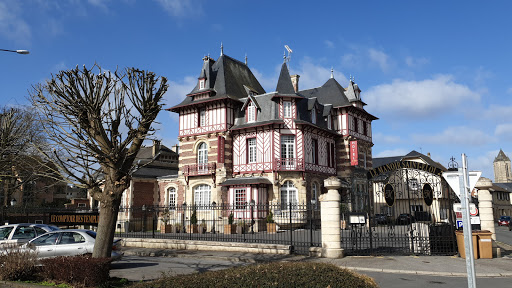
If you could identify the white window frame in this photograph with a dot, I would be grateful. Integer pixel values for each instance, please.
(202, 117)
(251, 112)
(172, 198)
(202, 196)
(329, 122)
(201, 84)
(202, 157)
(287, 109)
(240, 198)
(313, 115)
(251, 150)
(288, 150)
(289, 195)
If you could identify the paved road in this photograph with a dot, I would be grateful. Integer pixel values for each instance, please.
(136, 268)
(503, 235)
(391, 280)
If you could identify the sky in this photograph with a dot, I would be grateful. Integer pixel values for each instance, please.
(435, 73)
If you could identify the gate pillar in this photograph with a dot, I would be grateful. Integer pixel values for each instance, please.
(330, 217)
(485, 209)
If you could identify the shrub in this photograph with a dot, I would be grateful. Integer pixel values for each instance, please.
(231, 218)
(277, 274)
(17, 264)
(82, 271)
(193, 218)
(270, 217)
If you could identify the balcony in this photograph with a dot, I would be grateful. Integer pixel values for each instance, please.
(199, 169)
(289, 164)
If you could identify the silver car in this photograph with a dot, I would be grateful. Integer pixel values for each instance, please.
(68, 242)
(18, 234)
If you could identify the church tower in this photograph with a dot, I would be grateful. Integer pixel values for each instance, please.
(502, 173)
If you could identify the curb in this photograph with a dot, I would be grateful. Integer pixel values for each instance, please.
(427, 273)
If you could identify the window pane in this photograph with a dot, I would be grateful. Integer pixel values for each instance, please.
(172, 198)
(251, 143)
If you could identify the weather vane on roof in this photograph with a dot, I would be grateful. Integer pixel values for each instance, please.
(287, 58)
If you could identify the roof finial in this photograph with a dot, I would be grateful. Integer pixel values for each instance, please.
(350, 77)
(221, 49)
(284, 56)
(332, 73)
(245, 59)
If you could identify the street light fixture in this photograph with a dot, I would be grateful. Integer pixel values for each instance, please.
(13, 202)
(16, 51)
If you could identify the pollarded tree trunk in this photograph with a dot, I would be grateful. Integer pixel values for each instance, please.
(109, 208)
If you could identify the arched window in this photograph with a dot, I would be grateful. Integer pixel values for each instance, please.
(288, 195)
(172, 198)
(202, 157)
(202, 194)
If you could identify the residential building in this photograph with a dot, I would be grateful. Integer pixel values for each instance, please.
(241, 145)
(502, 172)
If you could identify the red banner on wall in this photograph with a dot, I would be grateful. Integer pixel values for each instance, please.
(353, 153)
(220, 149)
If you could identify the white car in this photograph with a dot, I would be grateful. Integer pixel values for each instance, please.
(68, 242)
(18, 234)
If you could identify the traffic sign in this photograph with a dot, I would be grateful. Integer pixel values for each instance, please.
(452, 177)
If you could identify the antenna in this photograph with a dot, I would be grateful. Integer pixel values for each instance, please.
(287, 59)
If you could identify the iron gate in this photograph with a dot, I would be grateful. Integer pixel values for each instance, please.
(402, 207)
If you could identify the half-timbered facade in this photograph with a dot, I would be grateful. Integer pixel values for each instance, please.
(241, 145)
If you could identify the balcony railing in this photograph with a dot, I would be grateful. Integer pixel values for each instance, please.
(199, 169)
(289, 164)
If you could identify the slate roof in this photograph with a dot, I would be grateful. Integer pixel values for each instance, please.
(153, 172)
(505, 186)
(226, 78)
(501, 157)
(246, 181)
(284, 84)
(377, 162)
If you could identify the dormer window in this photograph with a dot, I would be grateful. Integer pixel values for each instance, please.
(201, 83)
(313, 116)
(251, 112)
(329, 122)
(287, 107)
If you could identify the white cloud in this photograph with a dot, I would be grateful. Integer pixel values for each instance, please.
(329, 44)
(494, 110)
(181, 8)
(314, 75)
(99, 3)
(504, 130)
(419, 98)
(391, 153)
(12, 26)
(415, 62)
(379, 57)
(380, 138)
(484, 163)
(457, 135)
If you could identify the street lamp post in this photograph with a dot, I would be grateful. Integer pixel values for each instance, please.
(16, 51)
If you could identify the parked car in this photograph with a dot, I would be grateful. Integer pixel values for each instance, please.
(69, 242)
(404, 219)
(18, 234)
(382, 219)
(504, 221)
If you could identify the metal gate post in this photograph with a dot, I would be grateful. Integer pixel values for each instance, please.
(291, 227)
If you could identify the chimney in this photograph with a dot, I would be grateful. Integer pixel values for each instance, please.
(295, 82)
(156, 147)
(428, 154)
(176, 148)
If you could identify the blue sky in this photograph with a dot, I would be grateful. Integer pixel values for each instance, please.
(436, 73)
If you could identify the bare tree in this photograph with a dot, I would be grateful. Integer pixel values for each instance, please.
(97, 121)
(19, 130)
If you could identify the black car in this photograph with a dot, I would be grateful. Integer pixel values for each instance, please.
(382, 219)
(404, 218)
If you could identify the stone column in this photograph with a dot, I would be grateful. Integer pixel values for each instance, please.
(330, 213)
(485, 208)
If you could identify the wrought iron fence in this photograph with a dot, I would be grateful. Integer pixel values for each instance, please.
(297, 226)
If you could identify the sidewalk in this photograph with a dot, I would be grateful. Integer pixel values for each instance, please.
(420, 265)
